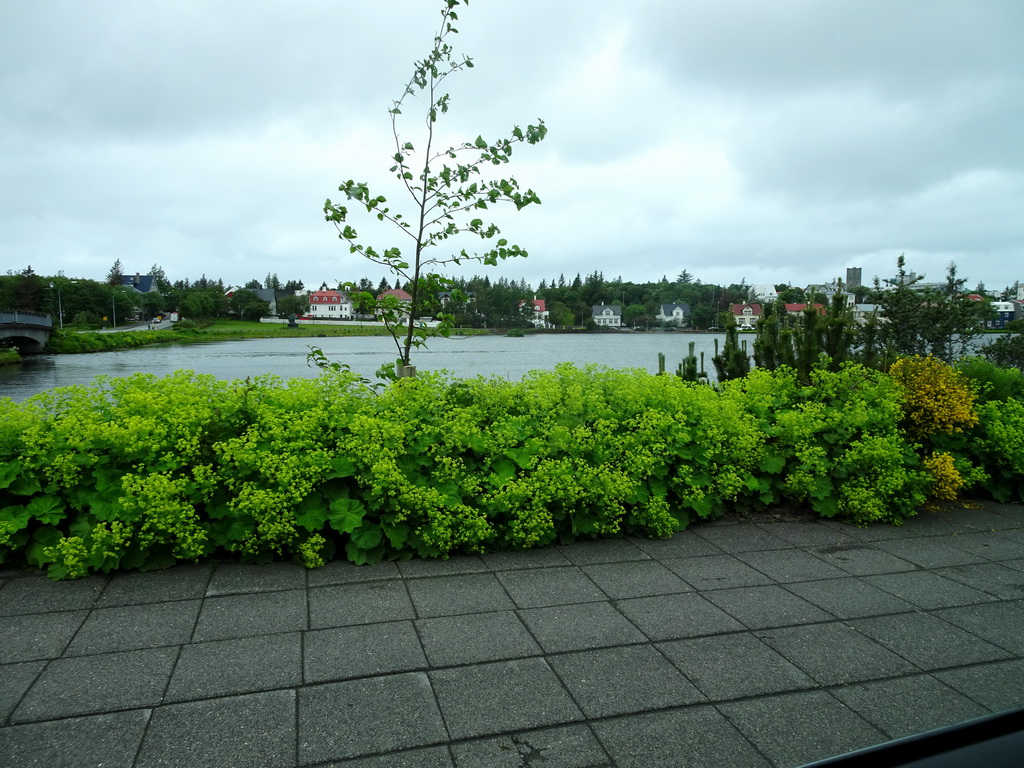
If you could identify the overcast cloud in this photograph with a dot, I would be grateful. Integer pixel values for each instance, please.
(775, 142)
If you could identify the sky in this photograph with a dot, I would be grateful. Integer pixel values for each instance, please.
(737, 140)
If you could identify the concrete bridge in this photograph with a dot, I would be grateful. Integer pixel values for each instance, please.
(28, 331)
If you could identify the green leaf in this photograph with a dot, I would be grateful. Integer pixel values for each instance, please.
(346, 515)
(504, 470)
(367, 536)
(480, 143)
(341, 466)
(8, 472)
(41, 539)
(312, 513)
(47, 509)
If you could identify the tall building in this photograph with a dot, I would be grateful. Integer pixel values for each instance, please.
(853, 278)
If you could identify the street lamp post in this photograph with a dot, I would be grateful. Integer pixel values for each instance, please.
(60, 305)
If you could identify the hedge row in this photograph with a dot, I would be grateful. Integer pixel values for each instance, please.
(143, 471)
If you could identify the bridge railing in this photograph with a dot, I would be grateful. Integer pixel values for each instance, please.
(19, 317)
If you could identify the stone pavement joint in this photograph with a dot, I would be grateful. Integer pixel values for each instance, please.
(735, 643)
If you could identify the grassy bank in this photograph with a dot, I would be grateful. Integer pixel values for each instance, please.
(9, 356)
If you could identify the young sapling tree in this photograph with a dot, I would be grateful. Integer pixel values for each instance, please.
(446, 192)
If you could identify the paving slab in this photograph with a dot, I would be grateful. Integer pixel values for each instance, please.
(461, 593)
(573, 746)
(716, 572)
(849, 598)
(991, 578)
(928, 642)
(364, 717)
(37, 636)
(862, 559)
(635, 579)
(690, 736)
(235, 578)
(472, 638)
(538, 587)
(223, 618)
(763, 607)
(1001, 623)
(487, 699)
(909, 705)
(627, 680)
(184, 581)
(243, 665)
(797, 728)
(364, 650)
(102, 740)
(363, 603)
(711, 664)
(997, 686)
(789, 565)
(128, 627)
(836, 654)
(253, 731)
(670, 617)
(927, 589)
(95, 684)
(579, 627)
(38, 594)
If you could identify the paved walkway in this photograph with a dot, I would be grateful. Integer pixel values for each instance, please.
(767, 644)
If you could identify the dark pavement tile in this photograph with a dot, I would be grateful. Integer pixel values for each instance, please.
(16, 680)
(39, 594)
(998, 686)
(716, 572)
(763, 607)
(926, 641)
(361, 651)
(734, 666)
(635, 579)
(849, 598)
(798, 728)
(228, 667)
(184, 581)
(240, 578)
(572, 746)
(451, 595)
(37, 636)
(930, 552)
(420, 567)
(620, 681)
(1000, 623)
(927, 590)
(101, 740)
(541, 587)
(697, 736)
(789, 565)
(474, 638)
(579, 627)
(238, 731)
(223, 618)
(345, 572)
(740, 538)
(862, 559)
(369, 716)
(1004, 545)
(603, 551)
(908, 706)
(500, 697)
(835, 654)
(548, 557)
(362, 603)
(85, 685)
(670, 617)
(807, 535)
(425, 757)
(136, 626)
(682, 544)
(991, 578)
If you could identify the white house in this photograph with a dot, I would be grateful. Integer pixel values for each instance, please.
(674, 314)
(765, 294)
(330, 305)
(539, 318)
(607, 315)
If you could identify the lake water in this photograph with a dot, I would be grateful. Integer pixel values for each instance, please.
(501, 356)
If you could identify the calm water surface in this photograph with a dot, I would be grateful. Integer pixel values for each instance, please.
(466, 358)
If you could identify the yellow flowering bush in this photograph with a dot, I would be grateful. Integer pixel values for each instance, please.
(937, 398)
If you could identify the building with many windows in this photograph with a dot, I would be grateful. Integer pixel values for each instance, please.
(330, 305)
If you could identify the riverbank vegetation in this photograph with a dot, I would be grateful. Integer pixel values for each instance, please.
(141, 472)
(9, 356)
